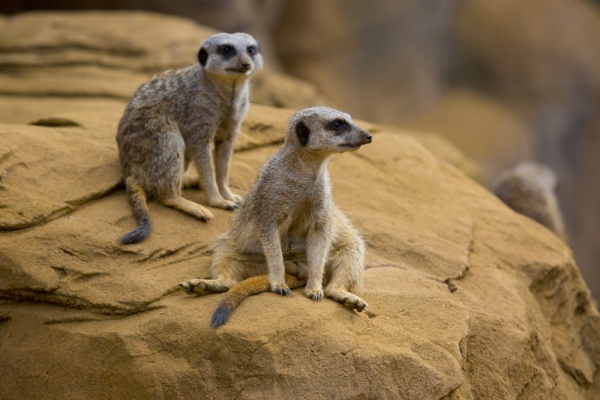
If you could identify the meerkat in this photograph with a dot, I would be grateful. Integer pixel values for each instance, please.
(288, 226)
(530, 189)
(180, 116)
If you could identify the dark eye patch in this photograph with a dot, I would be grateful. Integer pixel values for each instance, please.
(252, 50)
(338, 125)
(227, 50)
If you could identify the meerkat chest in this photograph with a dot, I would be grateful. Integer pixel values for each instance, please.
(235, 101)
(309, 214)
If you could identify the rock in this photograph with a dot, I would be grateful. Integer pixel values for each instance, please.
(139, 41)
(70, 165)
(77, 61)
(444, 150)
(467, 298)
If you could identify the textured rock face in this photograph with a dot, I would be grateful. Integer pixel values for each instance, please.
(468, 299)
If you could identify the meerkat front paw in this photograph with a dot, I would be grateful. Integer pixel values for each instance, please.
(193, 286)
(281, 289)
(229, 195)
(314, 294)
(236, 198)
(203, 214)
(224, 204)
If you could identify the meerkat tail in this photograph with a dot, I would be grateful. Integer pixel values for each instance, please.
(137, 198)
(249, 287)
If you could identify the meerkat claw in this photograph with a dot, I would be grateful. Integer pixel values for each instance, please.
(283, 291)
(194, 286)
(186, 286)
(314, 295)
(224, 204)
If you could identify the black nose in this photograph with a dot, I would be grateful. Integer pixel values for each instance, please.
(246, 65)
(368, 138)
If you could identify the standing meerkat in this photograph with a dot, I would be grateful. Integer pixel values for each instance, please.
(530, 189)
(179, 116)
(288, 220)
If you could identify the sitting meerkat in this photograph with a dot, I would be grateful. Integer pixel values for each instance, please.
(179, 116)
(530, 189)
(288, 220)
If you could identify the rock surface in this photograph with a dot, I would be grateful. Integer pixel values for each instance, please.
(468, 299)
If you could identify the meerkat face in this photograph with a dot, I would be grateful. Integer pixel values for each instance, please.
(232, 55)
(326, 130)
(538, 174)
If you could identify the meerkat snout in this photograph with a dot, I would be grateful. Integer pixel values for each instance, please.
(367, 137)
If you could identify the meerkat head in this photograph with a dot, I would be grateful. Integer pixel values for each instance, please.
(326, 130)
(233, 55)
(530, 189)
(527, 179)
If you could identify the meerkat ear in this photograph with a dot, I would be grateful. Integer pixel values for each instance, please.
(202, 56)
(303, 132)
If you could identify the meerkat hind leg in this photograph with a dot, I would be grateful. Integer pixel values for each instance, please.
(189, 207)
(346, 298)
(207, 286)
(345, 269)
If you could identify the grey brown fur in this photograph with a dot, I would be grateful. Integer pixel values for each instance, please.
(530, 189)
(288, 221)
(180, 116)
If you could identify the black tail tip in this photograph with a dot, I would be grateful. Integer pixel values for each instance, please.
(220, 316)
(137, 235)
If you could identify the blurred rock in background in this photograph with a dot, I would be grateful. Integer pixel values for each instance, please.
(506, 80)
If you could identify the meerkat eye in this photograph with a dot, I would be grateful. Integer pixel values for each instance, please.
(338, 125)
(251, 50)
(227, 50)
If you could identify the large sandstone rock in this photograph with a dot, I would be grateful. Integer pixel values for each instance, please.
(88, 60)
(467, 298)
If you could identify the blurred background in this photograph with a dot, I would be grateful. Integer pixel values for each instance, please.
(504, 80)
